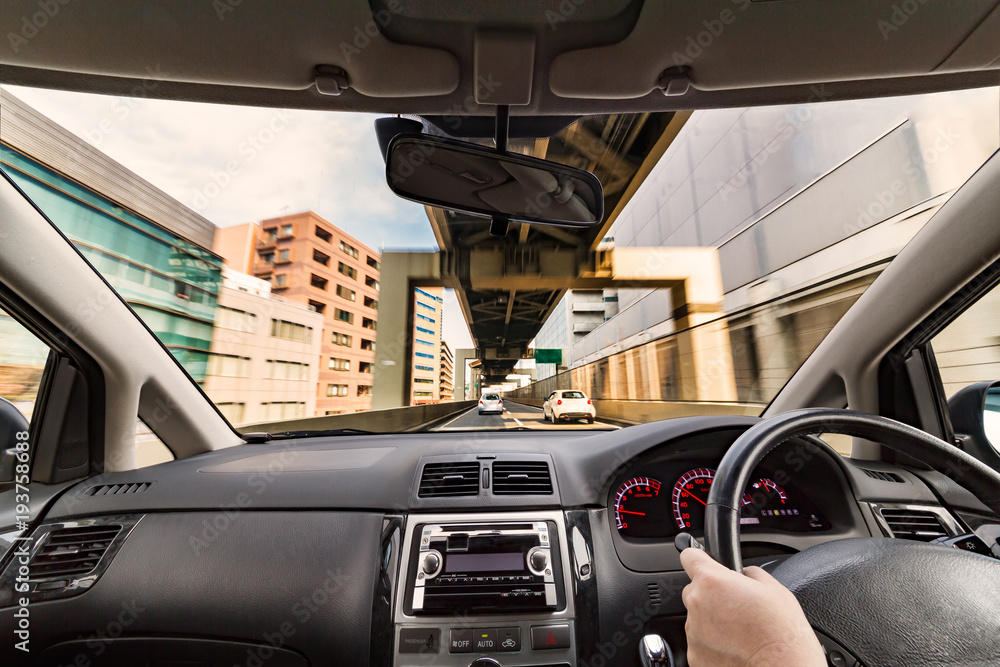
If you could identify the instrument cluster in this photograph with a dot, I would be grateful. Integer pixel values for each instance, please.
(671, 497)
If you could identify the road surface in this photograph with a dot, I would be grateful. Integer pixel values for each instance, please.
(514, 415)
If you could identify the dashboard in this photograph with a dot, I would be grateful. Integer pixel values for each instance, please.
(335, 543)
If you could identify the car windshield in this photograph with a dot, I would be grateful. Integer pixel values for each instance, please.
(264, 249)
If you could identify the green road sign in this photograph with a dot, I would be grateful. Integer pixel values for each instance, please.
(546, 356)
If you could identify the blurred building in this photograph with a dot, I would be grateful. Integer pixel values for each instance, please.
(308, 260)
(446, 385)
(805, 204)
(265, 349)
(573, 318)
(151, 248)
(428, 309)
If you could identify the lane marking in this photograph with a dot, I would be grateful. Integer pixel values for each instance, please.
(455, 419)
(513, 417)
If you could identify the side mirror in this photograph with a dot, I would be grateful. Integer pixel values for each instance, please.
(12, 422)
(975, 417)
(482, 181)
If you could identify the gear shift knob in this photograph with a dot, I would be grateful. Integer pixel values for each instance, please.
(655, 652)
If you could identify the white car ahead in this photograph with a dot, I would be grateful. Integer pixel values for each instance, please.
(491, 403)
(568, 404)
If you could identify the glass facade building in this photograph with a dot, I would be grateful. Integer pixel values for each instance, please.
(170, 282)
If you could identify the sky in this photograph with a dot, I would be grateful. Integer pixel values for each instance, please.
(240, 164)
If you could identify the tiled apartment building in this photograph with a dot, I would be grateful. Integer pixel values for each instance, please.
(309, 260)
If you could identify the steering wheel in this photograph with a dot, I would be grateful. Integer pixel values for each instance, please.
(888, 601)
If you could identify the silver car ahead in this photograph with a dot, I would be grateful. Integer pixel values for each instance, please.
(491, 403)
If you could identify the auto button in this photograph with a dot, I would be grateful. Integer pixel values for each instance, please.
(484, 640)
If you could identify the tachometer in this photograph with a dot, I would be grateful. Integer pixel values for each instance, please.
(690, 497)
(635, 502)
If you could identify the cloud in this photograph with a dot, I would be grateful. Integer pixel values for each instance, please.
(236, 164)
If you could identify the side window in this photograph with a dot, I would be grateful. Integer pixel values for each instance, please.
(968, 349)
(22, 361)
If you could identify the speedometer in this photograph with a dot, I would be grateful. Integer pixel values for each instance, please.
(690, 497)
(635, 502)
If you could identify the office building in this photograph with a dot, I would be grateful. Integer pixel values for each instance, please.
(446, 384)
(263, 364)
(308, 260)
(576, 315)
(428, 308)
(151, 248)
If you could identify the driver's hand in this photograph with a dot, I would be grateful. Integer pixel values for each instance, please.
(747, 619)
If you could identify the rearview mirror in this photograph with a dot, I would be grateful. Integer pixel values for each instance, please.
(481, 181)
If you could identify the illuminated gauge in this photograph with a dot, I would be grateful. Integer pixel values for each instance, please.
(772, 493)
(635, 503)
(690, 497)
(765, 499)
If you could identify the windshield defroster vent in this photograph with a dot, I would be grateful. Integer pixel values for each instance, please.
(118, 489)
(913, 524)
(449, 479)
(70, 552)
(527, 478)
(882, 475)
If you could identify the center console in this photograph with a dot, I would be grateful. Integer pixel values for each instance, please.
(485, 589)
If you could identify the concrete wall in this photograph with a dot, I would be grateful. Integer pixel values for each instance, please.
(392, 420)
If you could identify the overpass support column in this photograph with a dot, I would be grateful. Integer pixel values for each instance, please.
(462, 356)
(393, 372)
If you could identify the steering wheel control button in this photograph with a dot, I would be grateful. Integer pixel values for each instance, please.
(836, 655)
(419, 640)
(508, 640)
(484, 640)
(549, 636)
(687, 541)
(461, 641)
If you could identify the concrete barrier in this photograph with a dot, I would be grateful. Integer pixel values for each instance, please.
(391, 420)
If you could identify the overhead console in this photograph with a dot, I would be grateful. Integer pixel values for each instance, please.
(485, 586)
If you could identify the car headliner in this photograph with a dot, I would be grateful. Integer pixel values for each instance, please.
(565, 57)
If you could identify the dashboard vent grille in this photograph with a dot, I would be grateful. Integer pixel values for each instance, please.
(884, 476)
(118, 489)
(528, 478)
(69, 552)
(449, 479)
(913, 524)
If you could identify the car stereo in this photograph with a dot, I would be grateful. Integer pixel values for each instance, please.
(484, 568)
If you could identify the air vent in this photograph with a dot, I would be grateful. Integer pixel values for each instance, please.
(522, 478)
(71, 552)
(449, 479)
(884, 476)
(913, 524)
(654, 594)
(118, 489)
